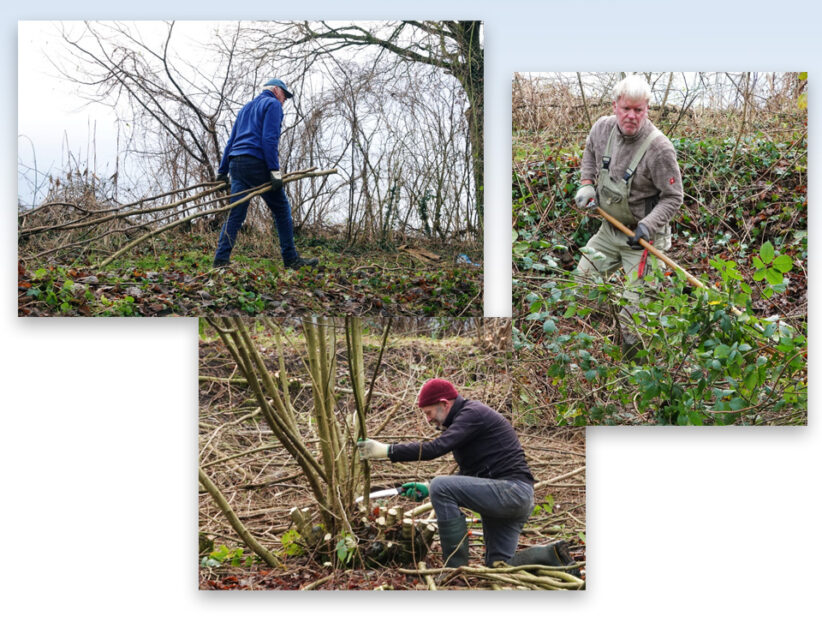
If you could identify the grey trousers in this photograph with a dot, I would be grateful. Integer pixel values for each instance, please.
(504, 505)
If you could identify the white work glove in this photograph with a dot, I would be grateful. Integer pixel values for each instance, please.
(276, 180)
(372, 450)
(585, 195)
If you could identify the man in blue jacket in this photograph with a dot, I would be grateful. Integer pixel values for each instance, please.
(494, 479)
(252, 158)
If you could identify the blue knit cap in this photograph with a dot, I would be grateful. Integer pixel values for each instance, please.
(281, 84)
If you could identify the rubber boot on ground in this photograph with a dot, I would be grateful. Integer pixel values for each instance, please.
(454, 542)
(553, 554)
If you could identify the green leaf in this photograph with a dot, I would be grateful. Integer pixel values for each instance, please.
(549, 326)
(783, 263)
(751, 379)
(521, 247)
(767, 252)
(289, 542)
(773, 276)
(695, 418)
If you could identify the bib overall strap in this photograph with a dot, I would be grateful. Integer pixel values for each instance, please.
(606, 158)
(640, 152)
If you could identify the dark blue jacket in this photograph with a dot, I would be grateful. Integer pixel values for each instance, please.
(484, 444)
(256, 132)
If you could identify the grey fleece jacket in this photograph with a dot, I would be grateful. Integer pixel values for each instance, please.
(656, 175)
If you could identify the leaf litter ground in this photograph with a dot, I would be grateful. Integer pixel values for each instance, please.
(176, 278)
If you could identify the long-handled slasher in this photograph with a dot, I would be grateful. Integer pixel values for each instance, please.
(664, 258)
(659, 254)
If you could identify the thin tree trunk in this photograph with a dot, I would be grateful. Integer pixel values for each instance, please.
(584, 101)
(262, 552)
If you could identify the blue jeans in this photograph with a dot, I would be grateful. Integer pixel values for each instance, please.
(504, 505)
(248, 172)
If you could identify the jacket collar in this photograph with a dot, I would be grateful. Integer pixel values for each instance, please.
(455, 408)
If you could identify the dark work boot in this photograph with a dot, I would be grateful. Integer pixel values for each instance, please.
(553, 554)
(220, 264)
(454, 542)
(301, 262)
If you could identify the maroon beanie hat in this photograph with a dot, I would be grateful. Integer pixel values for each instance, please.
(434, 391)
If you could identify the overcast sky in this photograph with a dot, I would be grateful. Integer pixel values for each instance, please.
(53, 119)
(51, 116)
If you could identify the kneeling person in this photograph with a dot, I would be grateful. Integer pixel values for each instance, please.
(494, 479)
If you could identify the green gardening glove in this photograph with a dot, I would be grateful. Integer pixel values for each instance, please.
(417, 491)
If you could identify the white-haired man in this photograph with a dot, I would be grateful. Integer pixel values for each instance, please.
(629, 169)
(252, 158)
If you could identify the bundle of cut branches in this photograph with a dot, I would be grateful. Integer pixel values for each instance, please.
(79, 228)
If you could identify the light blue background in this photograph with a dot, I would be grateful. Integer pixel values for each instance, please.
(715, 529)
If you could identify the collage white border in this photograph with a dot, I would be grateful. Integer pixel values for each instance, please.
(708, 529)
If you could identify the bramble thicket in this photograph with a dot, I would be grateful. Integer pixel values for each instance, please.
(733, 354)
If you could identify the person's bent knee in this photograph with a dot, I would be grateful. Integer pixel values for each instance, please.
(444, 488)
(436, 488)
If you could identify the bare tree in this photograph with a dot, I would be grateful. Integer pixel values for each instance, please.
(174, 106)
(451, 46)
(392, 123)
